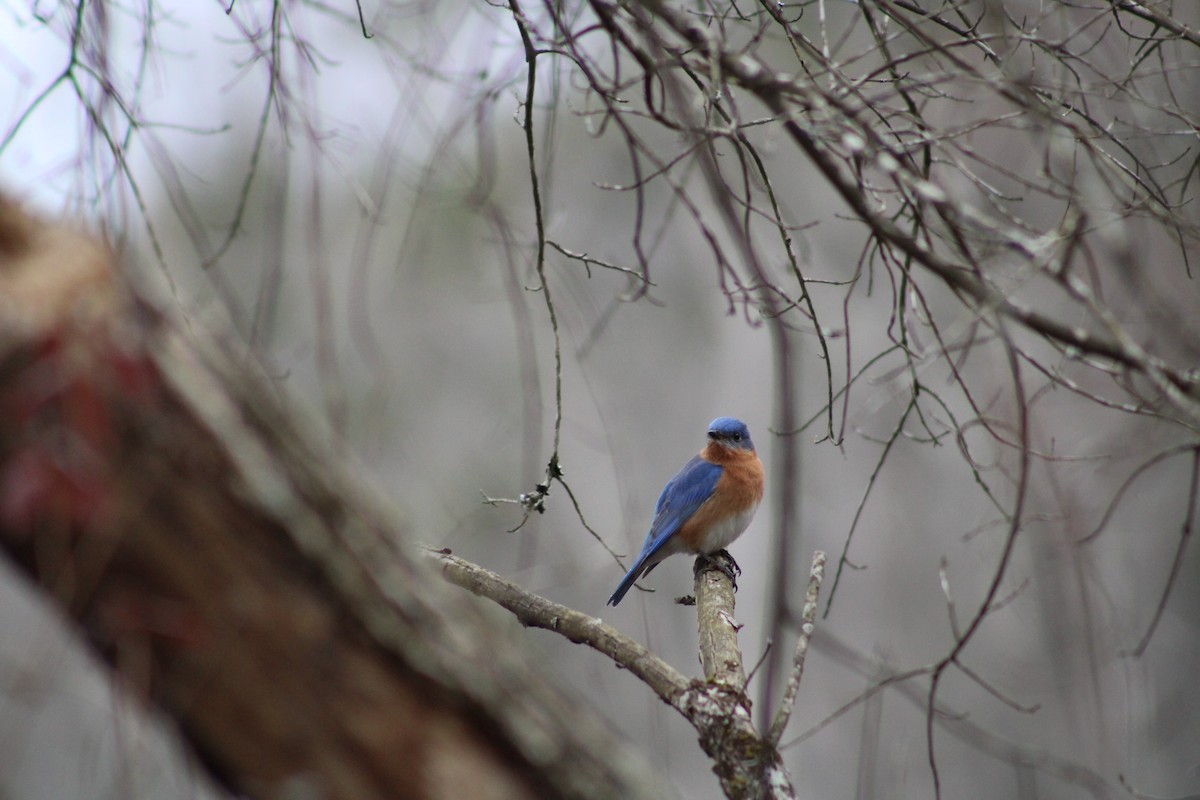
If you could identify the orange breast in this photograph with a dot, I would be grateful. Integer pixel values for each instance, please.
(728, 512)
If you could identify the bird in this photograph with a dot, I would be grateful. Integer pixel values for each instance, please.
(707, 505)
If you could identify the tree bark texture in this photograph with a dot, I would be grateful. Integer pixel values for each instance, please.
(240, 575)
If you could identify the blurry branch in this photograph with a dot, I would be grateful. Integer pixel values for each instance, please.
(747, 763)
(1131, 479)
(116, 124)
(269, 58)
(153, 488)
(956, 723)
(1159, 19)
(1185, 536)
(362, 20)
(844, 558)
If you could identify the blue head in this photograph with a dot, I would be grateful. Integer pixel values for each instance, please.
(730, 432)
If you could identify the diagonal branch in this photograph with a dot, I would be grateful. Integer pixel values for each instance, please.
(748, 765)
(538, 612)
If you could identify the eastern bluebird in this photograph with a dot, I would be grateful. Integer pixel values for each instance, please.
(707, 505)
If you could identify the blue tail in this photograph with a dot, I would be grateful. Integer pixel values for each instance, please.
(629, 580)
(625, 585)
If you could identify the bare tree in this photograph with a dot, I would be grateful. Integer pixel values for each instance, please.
(955, 239)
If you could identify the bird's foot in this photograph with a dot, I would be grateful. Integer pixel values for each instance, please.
(728, 557)
(723, 561)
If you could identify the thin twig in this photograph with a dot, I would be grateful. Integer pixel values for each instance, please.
(1177, 563)
(986, 606)
(816, 575)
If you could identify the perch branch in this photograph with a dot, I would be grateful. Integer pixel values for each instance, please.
(746, 764)
(538, 612)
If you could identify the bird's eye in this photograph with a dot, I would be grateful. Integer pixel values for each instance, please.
(737, 437)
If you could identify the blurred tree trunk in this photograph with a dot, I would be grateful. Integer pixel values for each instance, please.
(238, 575)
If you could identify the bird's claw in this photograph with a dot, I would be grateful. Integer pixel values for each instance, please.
(723, 561)
(729, 562)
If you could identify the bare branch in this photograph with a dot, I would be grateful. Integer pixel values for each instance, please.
(808, 618)
(538, 612)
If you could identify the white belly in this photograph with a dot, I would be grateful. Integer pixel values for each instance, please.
(721, 534)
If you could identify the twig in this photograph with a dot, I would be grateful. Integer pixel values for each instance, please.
(1001, 570)
(1177, 564)
(960, 725)
(844, 559)
(816, 574)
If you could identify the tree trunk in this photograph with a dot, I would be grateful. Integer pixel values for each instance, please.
(240, 575)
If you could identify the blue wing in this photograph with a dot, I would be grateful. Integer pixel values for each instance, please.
(681, 497)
